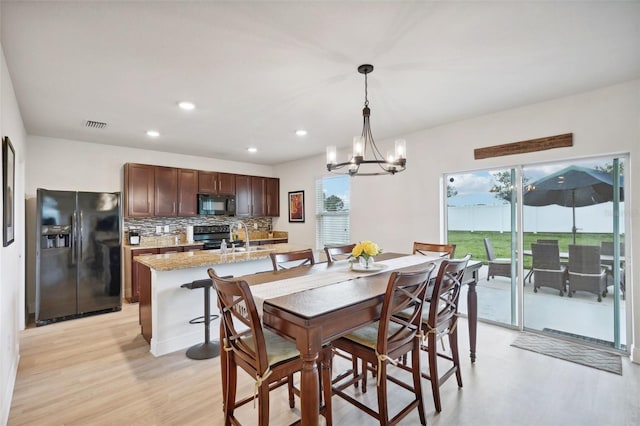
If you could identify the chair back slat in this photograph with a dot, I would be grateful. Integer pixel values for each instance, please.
(292, 259)
(429, 248)
(335, 253)
(443, 306)
(240, 321)
(405, 294)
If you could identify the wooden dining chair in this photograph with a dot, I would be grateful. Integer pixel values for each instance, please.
(387, 340)
(430, 249)
(292, 259)
(441, 320)
(270, 359)
(335, 253)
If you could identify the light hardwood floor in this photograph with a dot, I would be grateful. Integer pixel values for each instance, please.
(98, 371)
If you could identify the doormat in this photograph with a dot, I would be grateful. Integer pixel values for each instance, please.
(593, 340)
(571, 352)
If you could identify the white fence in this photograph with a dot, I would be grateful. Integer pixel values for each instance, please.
(596, 219)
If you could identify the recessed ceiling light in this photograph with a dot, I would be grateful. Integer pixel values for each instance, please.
(252, 149)
(187, 106)
(153, 133)
(301, 132)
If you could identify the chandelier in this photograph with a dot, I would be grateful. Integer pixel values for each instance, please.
(378, 164)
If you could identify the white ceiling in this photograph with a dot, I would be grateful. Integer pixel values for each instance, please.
(258, 71)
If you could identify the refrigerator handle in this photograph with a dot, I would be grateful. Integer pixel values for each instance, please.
(73, 238)
(81, 236)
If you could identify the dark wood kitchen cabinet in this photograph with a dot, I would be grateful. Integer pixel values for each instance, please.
(257, 196)
(135, 271)
(166, 191)
(187, 192)
(243, 195)
(216, 183)
(139, 184)
(273, 197)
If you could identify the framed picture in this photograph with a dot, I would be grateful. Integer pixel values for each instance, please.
(8, 191)
(296, 206)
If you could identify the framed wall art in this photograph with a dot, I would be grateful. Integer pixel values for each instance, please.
(296, 206)
(8, 191)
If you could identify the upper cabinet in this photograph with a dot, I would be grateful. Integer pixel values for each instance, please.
(257, 196)
(167, 191)
(243, 195)
(273, 197)
(216, 183)
(187, 192)
(139, 190)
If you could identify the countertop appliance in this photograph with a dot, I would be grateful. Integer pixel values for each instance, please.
(209, 204)
(212, 236)
(77, 254)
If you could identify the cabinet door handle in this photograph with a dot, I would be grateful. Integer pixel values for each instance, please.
(174, 206)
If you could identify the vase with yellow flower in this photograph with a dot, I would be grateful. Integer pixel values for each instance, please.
(364, 251)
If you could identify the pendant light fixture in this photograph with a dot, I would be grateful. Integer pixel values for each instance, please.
(358, 164)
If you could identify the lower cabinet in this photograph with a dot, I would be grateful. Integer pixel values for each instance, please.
(135, 271)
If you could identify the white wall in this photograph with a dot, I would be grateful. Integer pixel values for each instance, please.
(11, 257)
(397, 210)
(62, 164)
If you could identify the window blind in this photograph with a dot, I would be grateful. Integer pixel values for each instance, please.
(332, 211)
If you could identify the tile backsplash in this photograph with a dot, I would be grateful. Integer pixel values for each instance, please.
(146, 226)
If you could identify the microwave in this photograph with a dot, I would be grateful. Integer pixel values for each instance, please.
(209, 204)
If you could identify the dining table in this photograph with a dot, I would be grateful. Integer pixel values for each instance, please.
(315, 315)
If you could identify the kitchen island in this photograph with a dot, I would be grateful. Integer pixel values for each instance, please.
(166, 308)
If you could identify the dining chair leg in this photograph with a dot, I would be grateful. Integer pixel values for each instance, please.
(325, 379)
(433, 371)
(230, 394)
(453, 344)
(263, 405)
(417, 381)
(292, 401)
(383, 409)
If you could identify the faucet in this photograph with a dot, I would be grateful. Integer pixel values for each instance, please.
(237, 226)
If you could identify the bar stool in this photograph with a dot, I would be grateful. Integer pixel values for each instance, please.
(208, 349)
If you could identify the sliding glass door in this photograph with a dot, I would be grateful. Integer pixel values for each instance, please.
(481, 216)
(572, 221)
(571, 245)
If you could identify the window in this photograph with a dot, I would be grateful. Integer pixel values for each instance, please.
(332, 211)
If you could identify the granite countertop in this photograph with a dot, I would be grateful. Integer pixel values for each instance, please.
(202, 258)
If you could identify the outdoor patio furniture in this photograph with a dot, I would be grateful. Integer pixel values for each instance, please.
(606, 249)
(547, 270)
(500, 266)
(585, 271)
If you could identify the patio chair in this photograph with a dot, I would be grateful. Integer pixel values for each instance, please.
(547, 270)
(500, 266)
(542, 241)
(606, 249)
(585, 271)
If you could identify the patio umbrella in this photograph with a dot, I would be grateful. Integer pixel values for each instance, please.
(572, 187)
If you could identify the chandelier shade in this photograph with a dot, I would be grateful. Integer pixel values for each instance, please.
(376, 164)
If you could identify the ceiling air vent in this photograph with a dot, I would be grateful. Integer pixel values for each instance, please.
(95, 124)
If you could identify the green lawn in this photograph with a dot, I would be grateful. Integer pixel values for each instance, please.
(473, 242)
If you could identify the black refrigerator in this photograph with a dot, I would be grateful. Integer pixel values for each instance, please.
(77, 254)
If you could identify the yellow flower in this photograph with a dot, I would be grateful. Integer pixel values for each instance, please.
(365, 249)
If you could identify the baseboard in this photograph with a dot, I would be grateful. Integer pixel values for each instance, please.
(183, 342)
(7, 396)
